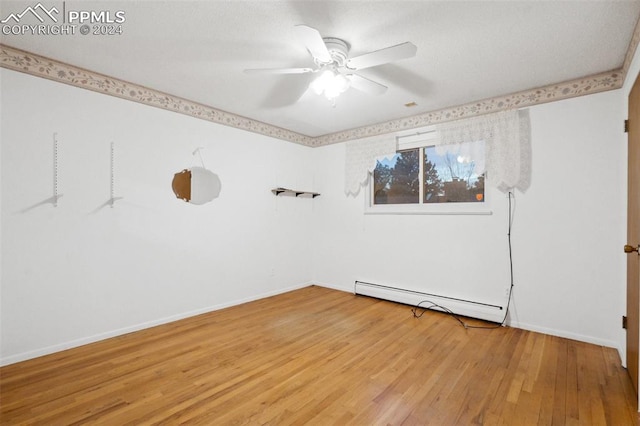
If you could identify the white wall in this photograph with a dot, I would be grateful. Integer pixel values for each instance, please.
(76, 273)
(567, 234)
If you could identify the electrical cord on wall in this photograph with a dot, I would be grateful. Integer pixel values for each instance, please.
(448, 311)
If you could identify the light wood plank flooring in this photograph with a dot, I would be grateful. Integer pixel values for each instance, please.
(323, 357)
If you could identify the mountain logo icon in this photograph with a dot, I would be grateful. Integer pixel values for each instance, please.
(38, 11)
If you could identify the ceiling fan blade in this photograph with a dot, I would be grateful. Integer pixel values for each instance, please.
(312, 39)
(365, 85)
(383, 56)
(279, 71)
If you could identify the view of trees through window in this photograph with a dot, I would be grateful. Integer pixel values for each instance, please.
(424, 175)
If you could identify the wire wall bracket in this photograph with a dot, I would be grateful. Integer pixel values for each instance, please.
(56, 195)
(112, 197)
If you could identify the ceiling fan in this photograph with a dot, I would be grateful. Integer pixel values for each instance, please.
(337, 72)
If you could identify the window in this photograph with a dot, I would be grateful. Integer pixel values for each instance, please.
(397, 181)
(429, 175)
(451, 176)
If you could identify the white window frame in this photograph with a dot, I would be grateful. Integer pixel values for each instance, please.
(422, 139)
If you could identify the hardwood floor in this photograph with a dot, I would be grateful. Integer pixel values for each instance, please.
(324, 357)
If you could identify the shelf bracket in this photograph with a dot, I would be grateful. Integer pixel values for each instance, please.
(278, 191)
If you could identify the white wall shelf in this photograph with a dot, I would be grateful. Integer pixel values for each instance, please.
(286, 191)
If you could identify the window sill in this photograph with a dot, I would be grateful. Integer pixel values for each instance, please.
(418, 209)
(476, 213)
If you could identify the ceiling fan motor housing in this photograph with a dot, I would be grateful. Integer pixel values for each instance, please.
(336, 70)
(338, 49)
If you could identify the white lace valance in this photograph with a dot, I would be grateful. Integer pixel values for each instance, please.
(507, 149)
(360, 160)
(507, 137)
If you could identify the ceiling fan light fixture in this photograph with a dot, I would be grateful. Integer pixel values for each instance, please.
(335, 70)
(330, 83)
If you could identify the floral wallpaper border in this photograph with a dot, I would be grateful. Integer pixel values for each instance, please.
(580, 87)
(39, 66)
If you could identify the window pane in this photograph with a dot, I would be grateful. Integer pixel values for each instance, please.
(396, 181)
(450, 173)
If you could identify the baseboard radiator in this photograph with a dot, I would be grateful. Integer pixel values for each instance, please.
(467, 308)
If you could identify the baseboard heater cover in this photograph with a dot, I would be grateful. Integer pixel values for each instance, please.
(467, 308)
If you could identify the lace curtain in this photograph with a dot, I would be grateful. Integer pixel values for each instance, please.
(507, 145)
(360, 160)
(507, 137)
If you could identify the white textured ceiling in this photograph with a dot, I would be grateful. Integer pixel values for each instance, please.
(467, 51)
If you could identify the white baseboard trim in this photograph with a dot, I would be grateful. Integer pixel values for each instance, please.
(527, 326)
(12, 359)
(348, 289)
(565, 334)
